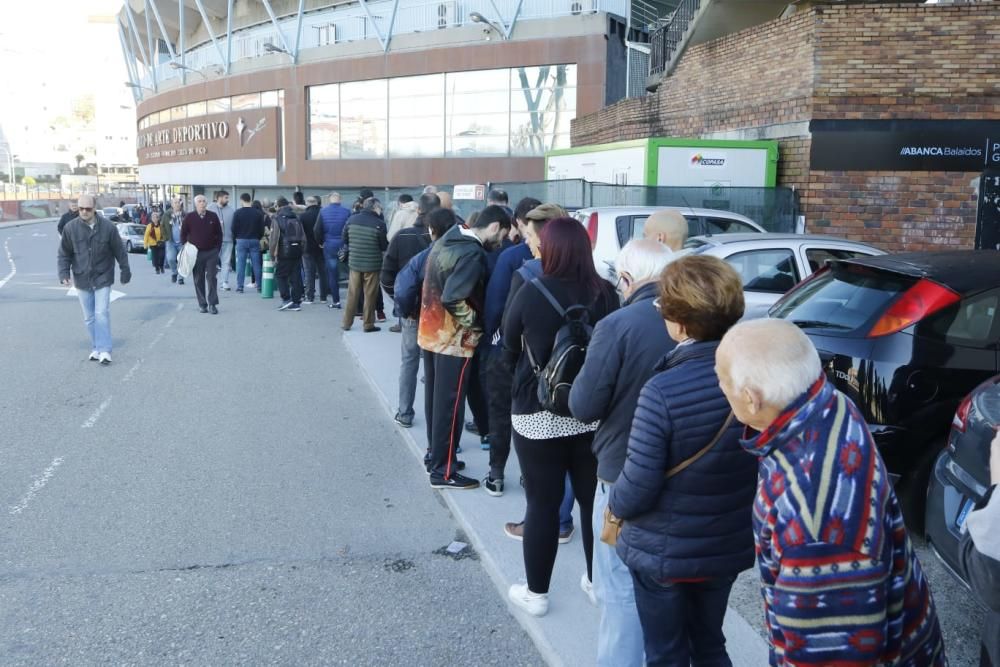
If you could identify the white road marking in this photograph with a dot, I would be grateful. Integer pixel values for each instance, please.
(170, 322)
(10, 259)
(132, 371)
(156, 339)
(179, 307)
(92, 419)
(36, 486)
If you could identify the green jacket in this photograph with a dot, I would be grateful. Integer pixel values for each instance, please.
(366, 240)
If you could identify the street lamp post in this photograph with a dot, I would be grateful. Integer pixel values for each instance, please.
(476, 17)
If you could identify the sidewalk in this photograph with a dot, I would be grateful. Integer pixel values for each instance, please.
(567, 635)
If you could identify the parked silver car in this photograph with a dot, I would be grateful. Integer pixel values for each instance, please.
(611, 227)
(133, 236)
(771, 264)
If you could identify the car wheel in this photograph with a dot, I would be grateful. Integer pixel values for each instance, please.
(912, 490)
(128, 246)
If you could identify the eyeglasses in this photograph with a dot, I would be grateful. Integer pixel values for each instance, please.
(86, 209)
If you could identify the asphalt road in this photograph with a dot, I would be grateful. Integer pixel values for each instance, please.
(226, 492)
(229, 491)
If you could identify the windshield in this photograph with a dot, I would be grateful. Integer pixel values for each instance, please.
(844, 298)
(136, 230)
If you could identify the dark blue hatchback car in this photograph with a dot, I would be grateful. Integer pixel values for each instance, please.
(907, 337)
(961, 475)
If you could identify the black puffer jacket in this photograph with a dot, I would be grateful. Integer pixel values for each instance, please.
(404, 246)
(90, 254)
(696, 524)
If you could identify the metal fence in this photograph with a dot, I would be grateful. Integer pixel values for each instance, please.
(775, 209)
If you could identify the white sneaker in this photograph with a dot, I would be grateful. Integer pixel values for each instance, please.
(225, 287)
(588, 587)
(105, 358)
(536, 604)
(94, 356)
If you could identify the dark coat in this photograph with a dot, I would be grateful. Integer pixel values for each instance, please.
(982, 568)
(404, 246)
(365, 236)
(698, 523)
(329, 228)
(622, 356)
(408, 285)
(90, 254)
(308, 219)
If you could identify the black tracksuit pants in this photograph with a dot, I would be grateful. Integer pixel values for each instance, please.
(288, 275)
(445, 386)
(499, 385)
(478, 390)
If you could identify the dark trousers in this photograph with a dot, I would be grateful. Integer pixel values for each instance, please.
(159, 256)
(682, 622)
(478, 391)
(314, 267)
(544, 464)
(288, 274)
(445, 380)
(205, 274)
(499, 384)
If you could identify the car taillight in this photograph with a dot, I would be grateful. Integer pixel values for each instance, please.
(592, 229)
(962, 414)
(923, 299)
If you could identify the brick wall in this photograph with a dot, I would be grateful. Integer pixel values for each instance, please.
(857, 61)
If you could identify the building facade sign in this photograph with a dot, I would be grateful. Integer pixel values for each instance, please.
(988, 214)
(904, 145)
(237, 135)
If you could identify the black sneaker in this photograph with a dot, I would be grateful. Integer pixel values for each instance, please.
(459, 465)
(180, 281)
(294, 308)
(202, 309)
(494, 487)
(405, 422)
(472, 428)
(456, 481)
(285, 305)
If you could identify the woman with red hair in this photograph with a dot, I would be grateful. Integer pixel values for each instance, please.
(550, 445)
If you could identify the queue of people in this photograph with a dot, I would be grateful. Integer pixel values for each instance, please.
(695, 445)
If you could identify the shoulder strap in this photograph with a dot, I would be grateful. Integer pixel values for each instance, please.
(701, 452)
(537, 283)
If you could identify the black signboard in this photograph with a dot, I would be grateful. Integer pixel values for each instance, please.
(988, 218)
(904, 145)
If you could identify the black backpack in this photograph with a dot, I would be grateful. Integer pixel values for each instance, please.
(293, 237)
(568, 353)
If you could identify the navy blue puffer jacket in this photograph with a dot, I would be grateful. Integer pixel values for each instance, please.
(698, 523)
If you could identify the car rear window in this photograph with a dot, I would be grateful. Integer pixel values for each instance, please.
(972, 322)
(631, 227)
(842, 299)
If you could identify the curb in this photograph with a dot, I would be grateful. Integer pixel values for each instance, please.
(532, 628)
(14, 224)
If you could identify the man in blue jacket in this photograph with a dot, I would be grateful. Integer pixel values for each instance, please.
(329, 233)
(624, 350)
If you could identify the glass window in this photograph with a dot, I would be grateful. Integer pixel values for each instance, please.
(972, 322)
(416, 116)
(766, 270)
(197, 109)
(542, 102)
(324, 122)
(727, 226)
(818, 257)
(245, 102)
(364, 107)
(220, 105)
(269, 98)
(178, 113)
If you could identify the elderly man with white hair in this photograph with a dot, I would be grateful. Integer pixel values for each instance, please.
(840, 579)
(623, 352)
(203, 229)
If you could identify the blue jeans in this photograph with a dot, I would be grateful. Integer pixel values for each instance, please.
(619, 635)
(409, 365)
(682, 622)
(251, 247)
(566, 508)
(97, 316)
(225, 261)
(172, 250)
(333, 273)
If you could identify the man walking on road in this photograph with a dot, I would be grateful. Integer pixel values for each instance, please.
(67, 216)
(449, 331)
(87, 254)
(225, 212)
(175, 220)
(365, 238)
(248, 230)
(203, 229)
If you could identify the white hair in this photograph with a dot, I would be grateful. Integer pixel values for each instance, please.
(201, 197)
(643, 259)
(774, 357)
(430, 190)
(334, 197)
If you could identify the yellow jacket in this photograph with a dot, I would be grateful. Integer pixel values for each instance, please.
(154, 235)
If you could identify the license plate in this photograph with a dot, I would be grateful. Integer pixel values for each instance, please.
(963, 514)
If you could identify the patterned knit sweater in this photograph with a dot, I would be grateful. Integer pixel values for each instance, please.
(841, 583)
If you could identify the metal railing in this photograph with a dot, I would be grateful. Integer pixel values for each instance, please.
(665, 41)
(352, 23)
